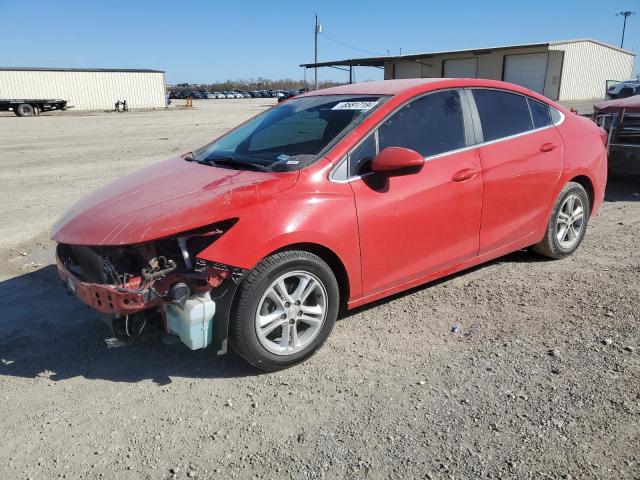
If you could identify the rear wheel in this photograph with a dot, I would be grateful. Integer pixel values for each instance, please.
(24, 110)
(286, 309)
(568, 223)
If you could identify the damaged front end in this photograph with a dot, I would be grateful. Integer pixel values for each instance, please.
(161, 283)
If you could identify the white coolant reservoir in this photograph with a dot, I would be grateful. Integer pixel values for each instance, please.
(193, 323)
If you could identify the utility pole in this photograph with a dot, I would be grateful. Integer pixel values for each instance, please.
(625, 14)
(315, 51)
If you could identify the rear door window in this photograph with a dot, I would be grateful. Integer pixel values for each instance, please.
(502, 114)
(430, 125)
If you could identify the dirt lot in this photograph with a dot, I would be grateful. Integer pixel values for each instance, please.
(543, 380)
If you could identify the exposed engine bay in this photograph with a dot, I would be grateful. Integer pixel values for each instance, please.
(158, 284)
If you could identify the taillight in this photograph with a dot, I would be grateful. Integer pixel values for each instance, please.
(603, 135)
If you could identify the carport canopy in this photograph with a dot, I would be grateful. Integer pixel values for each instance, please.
(348, 64)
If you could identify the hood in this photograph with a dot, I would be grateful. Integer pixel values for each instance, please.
(164, 199)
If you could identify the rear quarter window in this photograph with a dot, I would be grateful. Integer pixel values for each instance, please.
(540, 113)
(502, 114)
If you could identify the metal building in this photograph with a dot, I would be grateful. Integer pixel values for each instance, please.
(86, 89)
(569, 70)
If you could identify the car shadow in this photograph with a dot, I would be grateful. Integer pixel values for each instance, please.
(520, 256)
(47, 333)
(623, 189)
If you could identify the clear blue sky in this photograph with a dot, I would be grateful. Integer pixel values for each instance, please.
(203, 41)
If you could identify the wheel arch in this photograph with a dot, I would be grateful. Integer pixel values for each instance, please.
(332, 259)
(587, 184)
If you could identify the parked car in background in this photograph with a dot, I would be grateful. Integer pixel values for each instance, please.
(246, 95)
(333, 199)
(623, 89)
(289, 94)
(228, 95)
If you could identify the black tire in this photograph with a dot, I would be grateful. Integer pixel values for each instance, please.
(550, 245)
(242, 328)
(24, 110)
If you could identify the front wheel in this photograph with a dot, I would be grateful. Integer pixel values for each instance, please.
(286, 308)
(24, 110)
(568, 223)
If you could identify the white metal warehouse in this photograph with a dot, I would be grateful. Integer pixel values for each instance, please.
(86, 89)
(569, 70)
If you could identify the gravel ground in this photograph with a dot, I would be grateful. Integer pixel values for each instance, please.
(541, 381)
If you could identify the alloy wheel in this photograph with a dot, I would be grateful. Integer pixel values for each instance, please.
(291, 313)
(570, 222)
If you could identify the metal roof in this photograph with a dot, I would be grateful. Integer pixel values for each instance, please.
(380, 61)
(629, 104)
(54, 69)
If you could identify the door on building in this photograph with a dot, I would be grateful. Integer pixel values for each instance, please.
(460, 68)
(528, 70)
(407, 228)
(407, 70)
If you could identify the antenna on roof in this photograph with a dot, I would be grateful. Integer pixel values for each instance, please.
(625, 14)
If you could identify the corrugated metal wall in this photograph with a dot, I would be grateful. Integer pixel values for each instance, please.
(490, 66)
(587, 66)
(575, 70)
(86, 90)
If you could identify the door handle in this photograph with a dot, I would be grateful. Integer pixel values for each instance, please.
(547, 147)
(464, 174)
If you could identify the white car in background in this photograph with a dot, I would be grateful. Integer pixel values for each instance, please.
(624, 89)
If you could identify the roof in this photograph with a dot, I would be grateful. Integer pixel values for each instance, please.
(54, 69)
(380, 87)
(408, 87)
(629, 104)
(380, 61)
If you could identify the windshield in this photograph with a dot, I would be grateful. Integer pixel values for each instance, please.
(291, 135)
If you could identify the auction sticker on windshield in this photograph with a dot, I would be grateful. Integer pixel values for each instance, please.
(354, 106)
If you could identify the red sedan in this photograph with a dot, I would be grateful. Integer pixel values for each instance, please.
(331, 200)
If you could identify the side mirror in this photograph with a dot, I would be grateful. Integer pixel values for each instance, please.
(396, 158)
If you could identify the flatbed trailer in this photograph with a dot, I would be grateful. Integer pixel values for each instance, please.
(28, 107)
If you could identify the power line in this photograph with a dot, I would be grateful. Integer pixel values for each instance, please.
(324, 35)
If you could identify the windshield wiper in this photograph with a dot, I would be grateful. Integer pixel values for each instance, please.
(235, 162)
